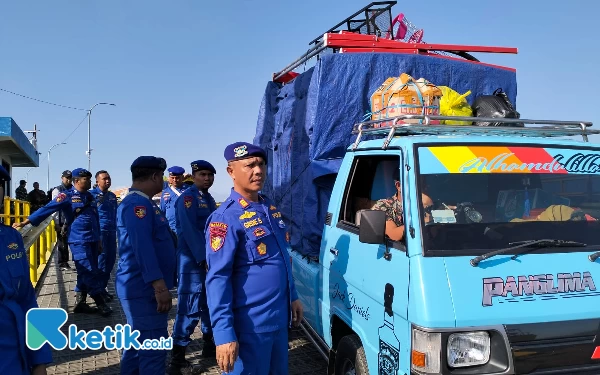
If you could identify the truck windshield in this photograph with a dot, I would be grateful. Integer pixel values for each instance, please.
(486, 197)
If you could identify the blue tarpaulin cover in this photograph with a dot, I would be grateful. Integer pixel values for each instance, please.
(305, 126)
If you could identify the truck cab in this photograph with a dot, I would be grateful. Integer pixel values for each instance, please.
(496, 271)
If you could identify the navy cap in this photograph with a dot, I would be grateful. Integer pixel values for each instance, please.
(67, 173)
(243, 150)
(4, 174)
(202, 165)
(81, 172)
(149, 162)
(176, 171)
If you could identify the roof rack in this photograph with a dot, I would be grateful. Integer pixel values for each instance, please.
(553, 128)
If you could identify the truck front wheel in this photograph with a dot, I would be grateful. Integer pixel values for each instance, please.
(350, 358)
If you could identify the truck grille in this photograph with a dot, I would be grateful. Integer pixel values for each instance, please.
(555, 348)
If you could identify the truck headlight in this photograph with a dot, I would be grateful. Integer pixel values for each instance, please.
(468, 349)
(426, 352)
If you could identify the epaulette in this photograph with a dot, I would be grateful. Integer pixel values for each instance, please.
(225, 205)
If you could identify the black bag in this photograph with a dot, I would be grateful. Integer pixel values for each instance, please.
(496, 105)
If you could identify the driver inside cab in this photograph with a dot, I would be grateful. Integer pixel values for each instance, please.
(394, 225)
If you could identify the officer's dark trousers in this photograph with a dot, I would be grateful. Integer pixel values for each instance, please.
(142, 316)
(106, 260)
(62, 247)
(89, 277)
(262, 353)
(191, 307)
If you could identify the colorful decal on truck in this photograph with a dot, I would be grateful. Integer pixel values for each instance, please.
(523, 288)
(502, 159)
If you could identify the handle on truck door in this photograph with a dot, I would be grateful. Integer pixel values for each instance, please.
(334, 251)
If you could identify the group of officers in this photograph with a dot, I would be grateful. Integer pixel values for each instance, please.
(230, 265)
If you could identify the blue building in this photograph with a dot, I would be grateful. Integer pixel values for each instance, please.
(15, 150)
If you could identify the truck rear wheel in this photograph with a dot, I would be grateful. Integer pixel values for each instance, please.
(350, 358)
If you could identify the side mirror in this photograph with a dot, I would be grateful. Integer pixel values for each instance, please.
(372, 227)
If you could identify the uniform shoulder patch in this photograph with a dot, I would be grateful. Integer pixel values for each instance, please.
(187, 201)
(243, 203)
(61, 197)
(273, 208)
(140, 211)
(247, 215)
(218, 231)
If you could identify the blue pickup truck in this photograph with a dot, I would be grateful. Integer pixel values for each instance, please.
(496, 275)
(495, 272)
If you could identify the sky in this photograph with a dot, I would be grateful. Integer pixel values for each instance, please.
(188, 76)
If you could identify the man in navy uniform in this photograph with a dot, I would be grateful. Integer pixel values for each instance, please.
(62, 243)
(146, 267)
(192, 209)
(252, 299)
(17, 296)
(171, 193)
(106, 202)
(79, 207)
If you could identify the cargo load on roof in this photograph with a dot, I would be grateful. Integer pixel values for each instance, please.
(306, 119)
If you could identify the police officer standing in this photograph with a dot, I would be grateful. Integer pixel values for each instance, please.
(81, 214)
(171, 193)
(17, 296)
(146, 267)
(252, 298)
(107, 209)
(192, 210)
(62, 245)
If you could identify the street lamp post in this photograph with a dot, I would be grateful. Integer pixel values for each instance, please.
(89, 150)
(48, 177)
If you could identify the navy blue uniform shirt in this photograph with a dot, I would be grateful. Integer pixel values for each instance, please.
(146, 247)
(80, 212)
(167, 203)
(193, 208)
(107, 208)
(17, 296)
(249, 280)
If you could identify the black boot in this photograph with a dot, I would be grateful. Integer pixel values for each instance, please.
(209, 348)
(103, 308)
(179, 365)
(81, 306)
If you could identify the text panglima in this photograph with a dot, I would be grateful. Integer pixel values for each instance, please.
(536, 285)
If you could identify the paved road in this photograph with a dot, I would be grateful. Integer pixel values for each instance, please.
(57, 291)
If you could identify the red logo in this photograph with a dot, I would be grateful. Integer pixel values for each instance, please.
(596, 354)
(140, 211)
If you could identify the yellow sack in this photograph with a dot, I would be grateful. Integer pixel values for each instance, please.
(454, 104)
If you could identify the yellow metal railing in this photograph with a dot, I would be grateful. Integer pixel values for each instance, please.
(40, 240)
(14, 211)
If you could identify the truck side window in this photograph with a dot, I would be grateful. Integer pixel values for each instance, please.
(371, 179)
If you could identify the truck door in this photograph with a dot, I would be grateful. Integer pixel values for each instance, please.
(362, 280)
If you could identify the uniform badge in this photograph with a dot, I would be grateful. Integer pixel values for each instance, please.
(247, 215)
(187, 201)
(240, 151)
(276, 215)
(13, 246)
(259, 232)
(272, 208)
(140, 211)
(60, 197)
(77, 210)
(157, 212)
(243, 203)
(262, 249)
(218, 231)
(287, 237)
(281, 224)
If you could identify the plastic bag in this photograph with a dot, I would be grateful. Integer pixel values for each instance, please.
(496, 105)
(454, 104)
